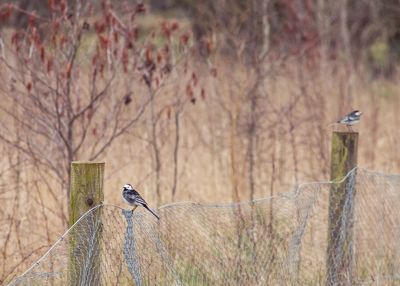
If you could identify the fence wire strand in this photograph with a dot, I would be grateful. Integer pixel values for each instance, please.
(281, 240)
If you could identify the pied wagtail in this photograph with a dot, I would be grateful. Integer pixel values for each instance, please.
(133, 198)
(350, 119)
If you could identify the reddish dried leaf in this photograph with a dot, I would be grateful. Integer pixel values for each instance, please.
(94, 59)
(56, 25)
(51, 5)
(15, 38)
(185, 38)
(209, 46)
(194, 79)
(174, 26)
(165, 29)
(49, 64)
(101, 69)
(114, 21)
(6, 12)
(140, 8)
(189, 91)
(42, 54)
(31, 19)
(125, 60)
(169, 112)
(149, 56)
(68, 70)
(159, 57)
(135, 33)
(166, 49)
(108, 18)
(63, 6)
(127, 99)
(100, 27)
(203, 93)
(103, 41)
(116, 37)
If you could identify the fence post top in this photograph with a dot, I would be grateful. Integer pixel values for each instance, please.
(346, 132)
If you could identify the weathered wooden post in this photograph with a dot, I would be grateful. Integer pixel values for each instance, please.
(340, 254)
(86, 192)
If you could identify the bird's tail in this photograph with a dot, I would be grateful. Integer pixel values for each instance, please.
(147, 208)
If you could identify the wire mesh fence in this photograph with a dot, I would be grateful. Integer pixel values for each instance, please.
(282, 240)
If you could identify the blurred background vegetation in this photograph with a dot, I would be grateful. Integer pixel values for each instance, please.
(372, 27)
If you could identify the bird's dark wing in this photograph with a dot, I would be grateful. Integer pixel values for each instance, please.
(140, 200)
(133, 197)
(138, 197)
(353, 117)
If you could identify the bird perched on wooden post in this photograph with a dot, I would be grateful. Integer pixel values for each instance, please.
(133, 198)
(350, 119)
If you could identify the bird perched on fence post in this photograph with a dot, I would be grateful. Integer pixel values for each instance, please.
(133, 198)
(350, 119)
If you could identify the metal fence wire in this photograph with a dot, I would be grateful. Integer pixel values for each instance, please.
(281, 240)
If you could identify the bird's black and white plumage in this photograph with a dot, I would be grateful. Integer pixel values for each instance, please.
(133, 198)
(351, 118)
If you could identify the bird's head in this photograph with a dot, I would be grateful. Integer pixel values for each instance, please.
(128, 187)
(357, 113)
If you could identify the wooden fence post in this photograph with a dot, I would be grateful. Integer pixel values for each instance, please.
(340, 254)
(86, 192)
